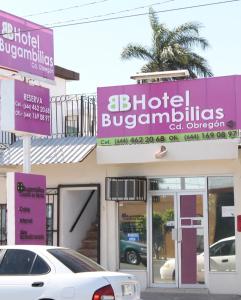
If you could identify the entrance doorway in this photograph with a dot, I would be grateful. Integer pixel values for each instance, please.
(80, 219)
(177, 239)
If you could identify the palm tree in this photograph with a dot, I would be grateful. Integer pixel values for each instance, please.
(171, 49)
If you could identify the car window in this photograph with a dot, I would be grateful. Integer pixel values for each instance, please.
(21, 262)
(16, 261)
(39, 266)
(232, 252)
(222, 249)
(76, 262)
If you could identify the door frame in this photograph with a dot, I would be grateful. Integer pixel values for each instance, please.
(205, 237)
(176, 196)
(81, 187)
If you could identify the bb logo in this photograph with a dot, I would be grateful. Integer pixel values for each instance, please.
(7, 31)
(20, 187)
(119, 103)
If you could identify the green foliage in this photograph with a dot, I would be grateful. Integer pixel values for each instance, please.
(171, 49)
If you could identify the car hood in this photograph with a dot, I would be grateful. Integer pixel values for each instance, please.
(170, 262)
(134, 243)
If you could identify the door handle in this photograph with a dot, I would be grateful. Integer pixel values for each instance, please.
(37, 284)
(179, 235)
(224, 260)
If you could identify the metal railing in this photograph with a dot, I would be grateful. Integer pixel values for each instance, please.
(6, 138)
(71, 115)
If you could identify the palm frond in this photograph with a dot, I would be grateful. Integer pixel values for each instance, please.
(136, 51)
(171, 49)
(153, 19)
(190, 41)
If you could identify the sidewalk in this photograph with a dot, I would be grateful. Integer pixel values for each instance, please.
(187, 294)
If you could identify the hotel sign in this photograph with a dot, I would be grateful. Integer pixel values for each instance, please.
(187, 110)
(26, 47)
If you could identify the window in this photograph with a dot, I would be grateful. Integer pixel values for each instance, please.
(72, 125)
(22, 262)
(39, 266)
(221, 224)
(177, 183)
(76, 262)
(132, 235)
(223, 249)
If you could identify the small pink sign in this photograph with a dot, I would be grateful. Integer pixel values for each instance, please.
(25, 108)
(30, 209)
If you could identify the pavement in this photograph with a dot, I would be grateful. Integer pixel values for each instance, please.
(187, 294)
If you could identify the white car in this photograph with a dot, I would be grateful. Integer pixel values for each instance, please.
(56, 273)
(222, 259)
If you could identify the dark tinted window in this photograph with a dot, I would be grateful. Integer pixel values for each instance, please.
(76, 262)
(223, 249)
(40, 266)
(232, 252)
(16, 261)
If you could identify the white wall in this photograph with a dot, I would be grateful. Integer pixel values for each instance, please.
(57, 89)
(89, 172)
(182, 151)
(3, 189)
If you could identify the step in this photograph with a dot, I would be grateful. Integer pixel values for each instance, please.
(89, 244)
(88, 252)
(91, 235)
(94, 227)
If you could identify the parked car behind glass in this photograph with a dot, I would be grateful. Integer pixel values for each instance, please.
(222, 259)
(132, 252)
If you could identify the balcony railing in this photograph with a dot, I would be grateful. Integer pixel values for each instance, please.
(71, 115)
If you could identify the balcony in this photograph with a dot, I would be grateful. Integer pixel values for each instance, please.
(71, 116)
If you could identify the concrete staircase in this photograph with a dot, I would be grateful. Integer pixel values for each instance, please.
(89, 244)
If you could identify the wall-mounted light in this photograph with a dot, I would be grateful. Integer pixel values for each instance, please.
(161, 153)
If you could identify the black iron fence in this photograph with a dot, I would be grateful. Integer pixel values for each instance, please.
(3, 224)
(6, 138)
(52, 216)
(71, 115)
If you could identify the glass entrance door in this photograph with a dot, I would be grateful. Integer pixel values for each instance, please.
(177, 239)
(163, 244)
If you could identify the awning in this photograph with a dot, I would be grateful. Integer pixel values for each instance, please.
(50, 151)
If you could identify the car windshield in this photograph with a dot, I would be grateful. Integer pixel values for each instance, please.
(76, 262)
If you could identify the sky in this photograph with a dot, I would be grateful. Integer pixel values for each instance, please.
(93, 49)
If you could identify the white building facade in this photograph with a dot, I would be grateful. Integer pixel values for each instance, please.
(166, 211)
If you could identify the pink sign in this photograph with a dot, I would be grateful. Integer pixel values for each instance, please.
(26, 47)
(30, 209)
(170, 111)
(25, 109)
